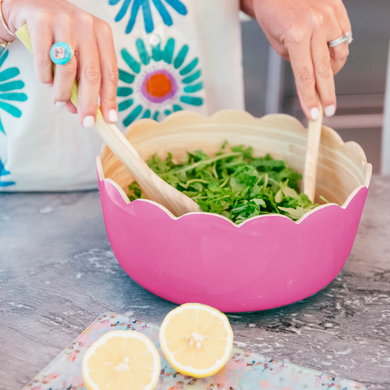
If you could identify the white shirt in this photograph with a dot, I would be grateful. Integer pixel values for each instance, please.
(182, 55)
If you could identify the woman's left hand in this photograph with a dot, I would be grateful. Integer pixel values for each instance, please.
(299, 30)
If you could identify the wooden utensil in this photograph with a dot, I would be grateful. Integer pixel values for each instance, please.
(153, 187)
(313, 144)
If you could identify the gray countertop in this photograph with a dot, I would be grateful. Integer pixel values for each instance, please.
(58, 274)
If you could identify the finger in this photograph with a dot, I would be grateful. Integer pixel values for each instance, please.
(338, 56)
(340, 53)
(343, 18)
(89, 75)
(109, 70)
(323, 72)
(42, 40)
(64, 74)
(71, 108)
(302, 66)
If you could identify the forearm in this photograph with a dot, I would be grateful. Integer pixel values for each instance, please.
(247, 7)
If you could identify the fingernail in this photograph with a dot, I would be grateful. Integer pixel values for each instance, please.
(88, 122)
(314, 113)
(60, 104)
(330, 110)
(49, 85)
(113, 116)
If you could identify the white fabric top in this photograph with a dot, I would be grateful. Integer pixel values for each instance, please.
(182, 55)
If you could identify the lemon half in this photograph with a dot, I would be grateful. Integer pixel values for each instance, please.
(196, 339)
(121, 360)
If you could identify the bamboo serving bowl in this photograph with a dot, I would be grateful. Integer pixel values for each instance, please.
(265, 262)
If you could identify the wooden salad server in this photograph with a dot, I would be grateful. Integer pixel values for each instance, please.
(153, 187)
(313, 144)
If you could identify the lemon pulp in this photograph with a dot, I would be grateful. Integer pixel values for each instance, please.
(121, 360)
(196, 339)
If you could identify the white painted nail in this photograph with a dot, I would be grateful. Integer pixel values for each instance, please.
(60, 104)
(49, 85)
(113, 116)
(330, 110)
(314, 113)
(88, 122)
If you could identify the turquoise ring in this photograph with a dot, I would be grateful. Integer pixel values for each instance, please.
(61, 53)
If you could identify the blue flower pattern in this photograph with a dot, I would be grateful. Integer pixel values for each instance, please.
(134, 7)
(9, 92)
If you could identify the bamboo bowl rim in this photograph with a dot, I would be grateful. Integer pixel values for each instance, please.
(189, 118)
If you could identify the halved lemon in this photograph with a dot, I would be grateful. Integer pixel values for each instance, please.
(196, 339)
(121, 360)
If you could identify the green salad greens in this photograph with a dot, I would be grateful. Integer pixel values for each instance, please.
(233, 183)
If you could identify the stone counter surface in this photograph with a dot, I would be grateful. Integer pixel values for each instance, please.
(58, 274)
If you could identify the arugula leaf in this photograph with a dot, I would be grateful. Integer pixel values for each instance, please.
(233, 183)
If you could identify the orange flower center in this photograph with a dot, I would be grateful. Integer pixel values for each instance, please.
(158, 85)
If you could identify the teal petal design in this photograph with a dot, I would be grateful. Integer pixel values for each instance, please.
(126, 77)
(7, 183)
(193, 101)
(167, 112)
(14, 111)
(190, 67)
(3, 57)
(181, 57)
(4, 172)
(176, 108)
(178, 6)
(155, 116)
(125, 105)
(133, 64)
(122, 11)
(148, 20)
(11, 86)
(163, 12)
(8, 74)
(16, 97)
(133, 116)
(146, 114)
(168, 51)
(193, 88)
(122, 91)
(133, 15)
(143, 54)
(192, 78)
(157, 53)
(135, 7)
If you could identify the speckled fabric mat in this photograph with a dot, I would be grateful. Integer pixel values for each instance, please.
(244, 370)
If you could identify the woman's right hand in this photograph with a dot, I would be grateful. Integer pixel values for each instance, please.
(94, 62)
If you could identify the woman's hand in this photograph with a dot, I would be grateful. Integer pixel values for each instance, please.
(299, 31)
(93, 64)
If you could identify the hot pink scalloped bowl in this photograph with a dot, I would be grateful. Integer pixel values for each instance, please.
(267, 261)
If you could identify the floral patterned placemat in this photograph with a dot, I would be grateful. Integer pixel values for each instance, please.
(244, 370)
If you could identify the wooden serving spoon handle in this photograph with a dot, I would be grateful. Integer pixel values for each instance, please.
(313, 144)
